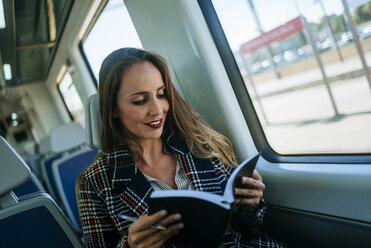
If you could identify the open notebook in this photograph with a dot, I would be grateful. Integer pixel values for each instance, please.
(205, 215)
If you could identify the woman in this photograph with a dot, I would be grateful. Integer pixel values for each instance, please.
(153, 140)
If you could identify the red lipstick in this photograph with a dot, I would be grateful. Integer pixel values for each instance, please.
(154, 124)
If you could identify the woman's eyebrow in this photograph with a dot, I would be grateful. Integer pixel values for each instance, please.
(146, 92)
(140, 93)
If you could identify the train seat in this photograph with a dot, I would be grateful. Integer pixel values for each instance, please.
(34, 220)
(33, 185)
(93, 123)
(65, 171)
(61, 140)
(66, 137)
(47, 172)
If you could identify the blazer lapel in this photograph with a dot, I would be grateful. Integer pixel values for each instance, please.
(135, 192)
(128, 184)
(203, 177)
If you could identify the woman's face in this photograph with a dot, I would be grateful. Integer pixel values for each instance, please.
(141, 101)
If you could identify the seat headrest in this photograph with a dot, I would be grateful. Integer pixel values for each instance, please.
(66, 136)
(44, 145)
(93, 123)
(13, 171)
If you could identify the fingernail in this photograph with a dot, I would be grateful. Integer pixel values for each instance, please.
(244, 179)
(177, 217)
(180, 225)
(162, 213)
(236, 191)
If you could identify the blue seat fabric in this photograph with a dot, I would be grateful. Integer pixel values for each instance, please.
(27, 188)
(69, 170)
(49, 173)
(32, 228)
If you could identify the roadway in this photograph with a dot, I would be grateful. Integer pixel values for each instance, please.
(301, 118)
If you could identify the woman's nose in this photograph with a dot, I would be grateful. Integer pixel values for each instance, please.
(155, 108)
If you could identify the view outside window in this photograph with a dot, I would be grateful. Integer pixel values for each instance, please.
(306, 65)
(112, 30)
(72, 99)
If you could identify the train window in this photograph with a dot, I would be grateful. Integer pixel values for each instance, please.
(70, 96)
(304, 65)
(113, 29)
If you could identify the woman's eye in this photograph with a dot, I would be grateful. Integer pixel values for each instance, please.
(163, 95)
(140, 102)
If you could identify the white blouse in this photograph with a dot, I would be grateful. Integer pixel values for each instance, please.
(181, 180)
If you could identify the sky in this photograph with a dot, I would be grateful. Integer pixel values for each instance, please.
(113, 29)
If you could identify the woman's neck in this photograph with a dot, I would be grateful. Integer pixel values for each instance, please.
(158, 164)
(152, 150)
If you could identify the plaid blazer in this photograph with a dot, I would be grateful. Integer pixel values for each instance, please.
(113, 184)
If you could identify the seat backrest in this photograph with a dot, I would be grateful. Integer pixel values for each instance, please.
(13, 171)
(36, 222)
(88, 131)
(61, 139)
(33, 222)
(93, 123)
(44, 145)
(65, 171)
(33, 185)
(47, 172)
(66, 137)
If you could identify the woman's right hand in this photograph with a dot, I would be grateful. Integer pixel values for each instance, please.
(142, 234)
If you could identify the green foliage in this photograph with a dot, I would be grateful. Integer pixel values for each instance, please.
(316, 26)
(338, 23)
(301, 37)
(363, 13)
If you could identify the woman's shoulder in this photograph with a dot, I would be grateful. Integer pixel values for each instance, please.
(98, 177)
(104, 167)
(91, 176)
(100, 164)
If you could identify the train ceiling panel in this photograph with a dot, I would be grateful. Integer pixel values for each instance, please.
(30, 39)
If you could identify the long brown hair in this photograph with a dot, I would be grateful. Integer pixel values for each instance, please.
(202, 140)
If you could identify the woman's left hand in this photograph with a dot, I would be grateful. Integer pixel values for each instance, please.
(250, 196)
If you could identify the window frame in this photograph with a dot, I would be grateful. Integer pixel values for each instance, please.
(64, 102)
(60, 78)
(248, 110)
(86, 61)
(96, 16)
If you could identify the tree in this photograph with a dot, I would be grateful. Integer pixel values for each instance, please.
(363, 13)
(338, 23)
(301, 37)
